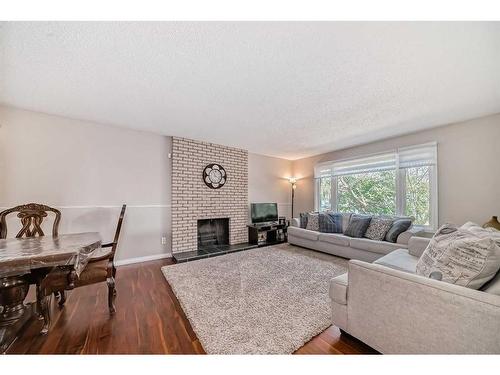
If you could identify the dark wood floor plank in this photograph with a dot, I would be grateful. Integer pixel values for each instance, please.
(148, 320)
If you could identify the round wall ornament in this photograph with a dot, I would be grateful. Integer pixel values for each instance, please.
(214, 176)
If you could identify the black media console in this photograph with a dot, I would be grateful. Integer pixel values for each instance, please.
(267, 234)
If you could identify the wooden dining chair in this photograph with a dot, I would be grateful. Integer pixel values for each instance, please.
(100, 268)
(32, 216)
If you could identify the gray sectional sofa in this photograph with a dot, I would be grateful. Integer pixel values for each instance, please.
(384, 303)
(344, 246)
(388, 306)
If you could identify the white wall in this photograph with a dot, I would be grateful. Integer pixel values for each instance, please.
(468, 170)
(87, 171)
(268, 181)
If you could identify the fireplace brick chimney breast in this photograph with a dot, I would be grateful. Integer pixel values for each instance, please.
(192, 200)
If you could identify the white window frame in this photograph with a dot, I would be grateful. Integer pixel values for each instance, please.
(400, 185)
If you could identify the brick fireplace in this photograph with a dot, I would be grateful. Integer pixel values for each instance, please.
(192, 200)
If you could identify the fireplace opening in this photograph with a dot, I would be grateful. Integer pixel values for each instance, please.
(213, 233)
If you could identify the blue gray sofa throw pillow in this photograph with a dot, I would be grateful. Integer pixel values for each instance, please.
(303, 220)
(358, 225)
(398, 227)
(330, 222)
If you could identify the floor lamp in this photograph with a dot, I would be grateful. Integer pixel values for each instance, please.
(293, 183)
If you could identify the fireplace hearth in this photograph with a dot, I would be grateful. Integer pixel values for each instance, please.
(213, 240)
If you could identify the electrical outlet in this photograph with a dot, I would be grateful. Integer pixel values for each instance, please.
(164, 240)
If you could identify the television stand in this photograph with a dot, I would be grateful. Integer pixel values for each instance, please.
(267, 234)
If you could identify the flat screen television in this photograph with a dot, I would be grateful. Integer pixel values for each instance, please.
(264, 212)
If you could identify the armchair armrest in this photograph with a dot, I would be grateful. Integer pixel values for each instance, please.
(295, 222)
(101, 255)
(399, 312)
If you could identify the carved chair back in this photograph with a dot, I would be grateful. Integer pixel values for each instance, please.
(31, 216)
(117, 232)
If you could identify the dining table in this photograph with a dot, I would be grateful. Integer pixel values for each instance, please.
(27, 261)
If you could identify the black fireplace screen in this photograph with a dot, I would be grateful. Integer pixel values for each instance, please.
(213, 232)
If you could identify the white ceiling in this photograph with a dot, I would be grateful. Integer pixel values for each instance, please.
(277, 88)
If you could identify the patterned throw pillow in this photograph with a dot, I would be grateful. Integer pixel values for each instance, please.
(330, 222)
(303, 220)
(313, 221)
(358, 225)
(468, 256)
(378, 228)
(398, 227)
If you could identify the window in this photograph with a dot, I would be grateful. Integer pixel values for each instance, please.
(403, 182)
(325, 193)
(367, 193)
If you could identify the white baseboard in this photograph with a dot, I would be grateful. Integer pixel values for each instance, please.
(147, 258)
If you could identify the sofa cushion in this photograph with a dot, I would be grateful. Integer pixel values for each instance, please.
(468, 256)
(335, 238)
(346, 218)
(303, 233)
(378, 228)
(313, 221)
(399, 259)
(379, 247)
(492, 286)
(417, 245)
(398, 226)
(330, 222)
(338, 289)
(358, 225)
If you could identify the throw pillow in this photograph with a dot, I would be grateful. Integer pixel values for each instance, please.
(313, 221)
(303, 220)
(378, 228)
(358, 225)
(330, 222)
(468, 256)
(398, 227)
(346, 218)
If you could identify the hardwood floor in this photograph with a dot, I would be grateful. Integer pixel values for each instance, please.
(148, 320)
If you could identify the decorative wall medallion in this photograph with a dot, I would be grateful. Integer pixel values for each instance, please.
(214, 176)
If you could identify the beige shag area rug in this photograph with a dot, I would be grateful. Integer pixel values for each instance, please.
(269, 300)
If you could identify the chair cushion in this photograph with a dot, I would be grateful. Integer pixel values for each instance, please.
(380, 247)
(400, 260)
(335, 238)
(330, 222)
(313, 221)
(94, 272)
(338, 289)
(303, 233)
(358, 225)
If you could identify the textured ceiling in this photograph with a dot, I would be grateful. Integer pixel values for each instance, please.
(277, 88)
